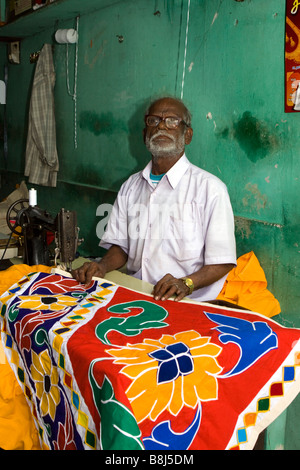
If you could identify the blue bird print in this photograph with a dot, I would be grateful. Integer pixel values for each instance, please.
(255, 339)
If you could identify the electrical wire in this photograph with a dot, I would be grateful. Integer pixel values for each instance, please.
(74, 94)
(7, 245)
(185, 48)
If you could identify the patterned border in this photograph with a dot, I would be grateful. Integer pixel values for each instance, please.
(59, 335)
(266, 409)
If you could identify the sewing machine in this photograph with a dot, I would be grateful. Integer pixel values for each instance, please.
(37, 231)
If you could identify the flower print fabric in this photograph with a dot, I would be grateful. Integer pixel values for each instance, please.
(175, 371)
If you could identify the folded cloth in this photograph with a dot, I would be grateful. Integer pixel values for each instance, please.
(14, 273)
(246, 286)
(17, 427)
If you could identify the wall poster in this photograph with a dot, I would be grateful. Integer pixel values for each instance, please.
(292, 56)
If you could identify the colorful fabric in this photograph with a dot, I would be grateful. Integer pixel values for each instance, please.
(104, 367)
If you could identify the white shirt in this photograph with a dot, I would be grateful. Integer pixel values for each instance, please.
(176, 226)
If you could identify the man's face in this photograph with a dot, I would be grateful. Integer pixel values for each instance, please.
(164, 142)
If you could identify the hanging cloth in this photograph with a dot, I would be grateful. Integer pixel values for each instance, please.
(42, 164)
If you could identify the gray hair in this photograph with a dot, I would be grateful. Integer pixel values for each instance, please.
(187, 113)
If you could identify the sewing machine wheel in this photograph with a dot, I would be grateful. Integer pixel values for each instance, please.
(16, 216)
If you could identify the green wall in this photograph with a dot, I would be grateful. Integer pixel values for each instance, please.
(234, 86)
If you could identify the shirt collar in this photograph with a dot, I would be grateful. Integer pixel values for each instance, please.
(175, 173)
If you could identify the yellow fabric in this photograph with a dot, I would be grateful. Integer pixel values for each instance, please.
(13, 274)
(17, 428)
(246, 286)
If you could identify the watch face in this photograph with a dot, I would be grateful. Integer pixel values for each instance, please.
(189, 283)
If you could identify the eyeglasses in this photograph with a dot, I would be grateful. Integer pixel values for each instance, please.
(171, 122)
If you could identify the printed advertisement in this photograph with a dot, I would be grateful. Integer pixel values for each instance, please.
(292, 56)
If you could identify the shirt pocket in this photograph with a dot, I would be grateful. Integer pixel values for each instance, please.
(184, 239)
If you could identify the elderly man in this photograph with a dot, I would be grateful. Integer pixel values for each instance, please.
(172, 223)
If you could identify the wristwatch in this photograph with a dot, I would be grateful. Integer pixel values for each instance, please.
(189, 283)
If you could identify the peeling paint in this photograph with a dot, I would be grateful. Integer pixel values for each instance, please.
(214, 18)
(279, 447)
(243, 227)
(191, 66)
(255, 198)
(91, 61)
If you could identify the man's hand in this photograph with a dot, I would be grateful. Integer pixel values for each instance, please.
(88, 270)
(168, 286)
(207, 275)
(115, 258)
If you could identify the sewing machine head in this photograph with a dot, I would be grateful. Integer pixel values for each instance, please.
(37, 230)
(66, 237)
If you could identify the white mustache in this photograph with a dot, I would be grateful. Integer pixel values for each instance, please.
(162, 133)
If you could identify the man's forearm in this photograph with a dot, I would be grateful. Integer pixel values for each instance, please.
(115, 258)
(209, 274)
